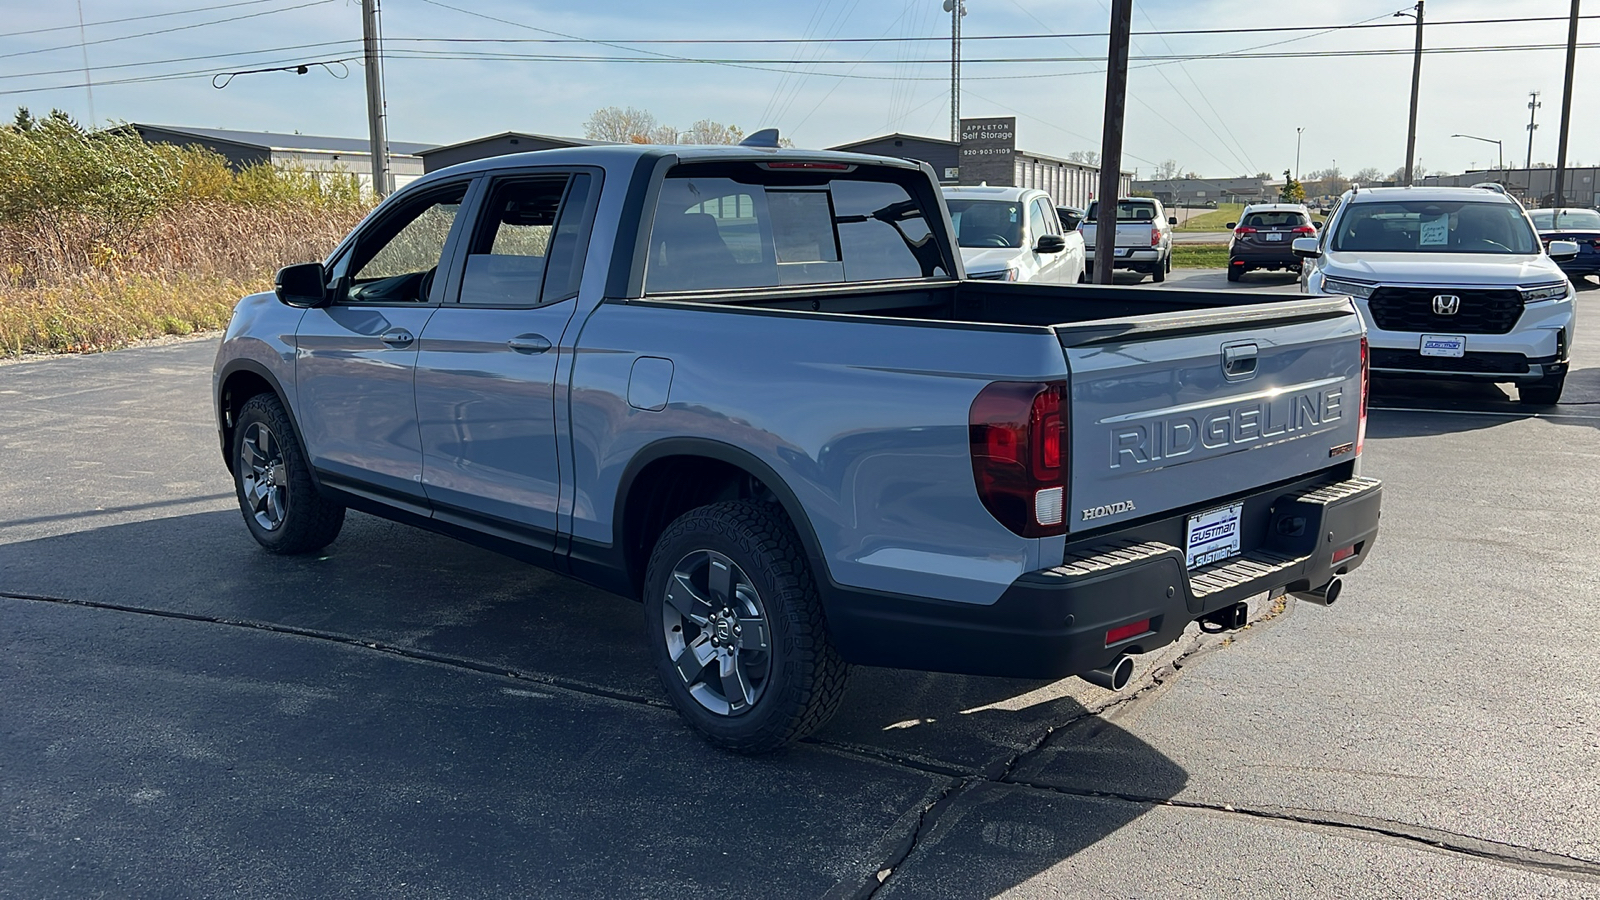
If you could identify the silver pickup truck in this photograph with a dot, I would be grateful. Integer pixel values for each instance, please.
(751, 388)
(1144, 236)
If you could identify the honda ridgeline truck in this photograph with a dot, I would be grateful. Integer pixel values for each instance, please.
(751, 388)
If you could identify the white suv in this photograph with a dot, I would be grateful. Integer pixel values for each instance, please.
(1452, 282)
(1013, 234)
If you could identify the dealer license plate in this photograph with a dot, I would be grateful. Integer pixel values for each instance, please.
(1213, 535)
(1274, 236)
(1444, 345)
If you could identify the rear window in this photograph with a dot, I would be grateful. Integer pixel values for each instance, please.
(727, 226)
(1128, 211)
(1424, 226)
(1565, 219)
(1275, 219)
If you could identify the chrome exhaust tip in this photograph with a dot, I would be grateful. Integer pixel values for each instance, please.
(1322, 596)
(1113, 677)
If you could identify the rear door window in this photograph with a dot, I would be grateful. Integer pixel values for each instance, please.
(529, 244)
(743, 227)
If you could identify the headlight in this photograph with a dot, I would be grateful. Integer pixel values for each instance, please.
(1355, 289)
(1555, 291)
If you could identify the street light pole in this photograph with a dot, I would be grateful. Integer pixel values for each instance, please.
(1497, 144)
(1416, 81)
(1297, 130)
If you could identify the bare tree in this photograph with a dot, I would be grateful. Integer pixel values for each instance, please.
(1087, 157)
(628, 125)
(706, 131)
(1369, 175)
(1417, 172)
(1168, 170)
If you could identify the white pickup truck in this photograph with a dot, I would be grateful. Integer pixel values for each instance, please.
(1144, 237)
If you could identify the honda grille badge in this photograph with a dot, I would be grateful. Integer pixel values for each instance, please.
(1446, 304)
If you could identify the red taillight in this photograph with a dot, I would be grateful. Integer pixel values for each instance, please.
(1155, 236)
(1344, 553)
(1305, 229)
(1123, 632)
(1366, 388)
(1018, 439)
(1244, 229)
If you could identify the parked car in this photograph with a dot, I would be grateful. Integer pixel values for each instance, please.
(1071, 217)
(1013, 234)
(1453, 283)
(1144, 236)
(1264, 236)
(751, 388)
(1578, 225)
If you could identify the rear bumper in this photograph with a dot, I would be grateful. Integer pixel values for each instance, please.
(1140, 257)
(1053, 622)
(1262, 258)
(1474, 366)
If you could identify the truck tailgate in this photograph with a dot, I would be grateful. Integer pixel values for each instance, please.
(1128, 235)
(1174, 410)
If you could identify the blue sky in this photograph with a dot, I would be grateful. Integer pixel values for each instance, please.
(1215, 116)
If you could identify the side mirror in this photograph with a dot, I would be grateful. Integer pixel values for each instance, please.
(1055, 243)
(306, 285)
(1561, 251)
(1172, 220)
(1306, 248)
(1232, 225)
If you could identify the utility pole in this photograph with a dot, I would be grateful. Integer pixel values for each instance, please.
(372, 45)
(1105, 232)
(1566, 106)
(956, 9)
(1533, 110)
(1416, 81)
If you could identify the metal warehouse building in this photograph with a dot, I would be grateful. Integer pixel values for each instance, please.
(1069, 183)
(311, 152)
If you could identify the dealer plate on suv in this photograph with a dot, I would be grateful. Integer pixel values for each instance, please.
(1213, 535)
(1444, 345)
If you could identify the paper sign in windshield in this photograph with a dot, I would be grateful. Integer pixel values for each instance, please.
(1435, 231)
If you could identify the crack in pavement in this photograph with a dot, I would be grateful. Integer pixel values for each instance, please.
(1001, 771)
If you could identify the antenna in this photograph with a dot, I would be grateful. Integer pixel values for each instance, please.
(766, 137)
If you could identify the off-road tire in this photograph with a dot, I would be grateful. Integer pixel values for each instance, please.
(807, 677)
(1544, 392)
(310, 521)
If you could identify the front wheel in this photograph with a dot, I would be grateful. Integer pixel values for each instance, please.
(281, 504)
(736, 628)
(1544, 392)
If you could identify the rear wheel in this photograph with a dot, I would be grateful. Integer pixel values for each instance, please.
(736, 628)
(281, 504)
(1235, 272)
(1544, 392)
(1162, 267)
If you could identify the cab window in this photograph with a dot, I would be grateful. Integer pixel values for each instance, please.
(395, 261)
(527, 249)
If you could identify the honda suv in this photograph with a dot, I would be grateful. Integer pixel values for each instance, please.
(1453, 283)
(1263, 236)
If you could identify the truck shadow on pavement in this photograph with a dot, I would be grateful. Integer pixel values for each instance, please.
(514, 711)
(1416, 408)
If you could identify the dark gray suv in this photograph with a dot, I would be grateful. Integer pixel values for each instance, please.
(1264, 235)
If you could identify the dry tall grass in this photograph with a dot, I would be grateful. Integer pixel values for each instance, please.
(105, 240)
(181, 272)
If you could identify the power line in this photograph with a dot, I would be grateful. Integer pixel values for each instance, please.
(129, 37)
(181, 59)
(1325, 29)
(161, 15)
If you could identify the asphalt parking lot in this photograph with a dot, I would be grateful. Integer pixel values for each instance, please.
(183, 715)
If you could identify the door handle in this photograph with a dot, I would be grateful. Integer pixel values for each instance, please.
(397, 337)
(1239, 360)
(529, 343)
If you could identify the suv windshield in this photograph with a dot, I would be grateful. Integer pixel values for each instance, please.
(986, 223)
(1428, 226)
(1127, 211)
(1565, 219)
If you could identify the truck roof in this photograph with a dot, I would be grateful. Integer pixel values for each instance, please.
(625, 155)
